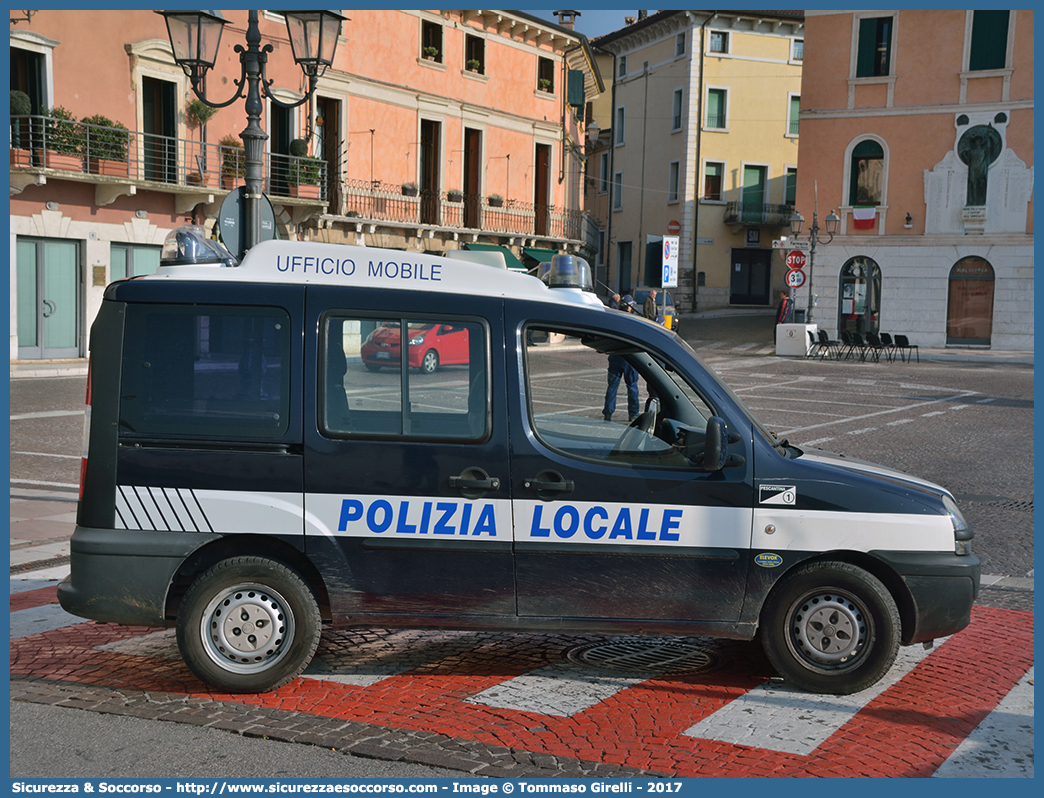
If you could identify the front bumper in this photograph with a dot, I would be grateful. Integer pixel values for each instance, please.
(123, 576)
(942, 589)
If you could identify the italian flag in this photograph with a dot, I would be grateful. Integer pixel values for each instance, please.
(863, 218)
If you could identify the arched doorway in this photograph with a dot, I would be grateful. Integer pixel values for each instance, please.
(859, 306)
(969, 310)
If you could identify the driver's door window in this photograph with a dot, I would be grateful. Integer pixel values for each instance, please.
(607, 400)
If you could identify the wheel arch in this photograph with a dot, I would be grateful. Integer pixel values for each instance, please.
(245, 546)
(874, 566)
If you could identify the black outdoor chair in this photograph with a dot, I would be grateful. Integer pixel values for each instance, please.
(877, 347)
(861, 345)
(889, 345)
(902, 343)
(813, 345)
(847, 346)
(828, 347)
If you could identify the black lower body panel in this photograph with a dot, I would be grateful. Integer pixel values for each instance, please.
(122, 576)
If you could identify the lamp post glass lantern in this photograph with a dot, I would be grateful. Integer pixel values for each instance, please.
(797, 221)
(195, 37)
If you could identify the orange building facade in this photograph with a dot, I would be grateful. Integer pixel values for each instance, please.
(433, 130)
(917, 129)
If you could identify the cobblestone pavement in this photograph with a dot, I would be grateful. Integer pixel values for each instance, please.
(525, 705)
(514, 705)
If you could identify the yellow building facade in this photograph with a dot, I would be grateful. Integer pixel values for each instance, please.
(704, 146)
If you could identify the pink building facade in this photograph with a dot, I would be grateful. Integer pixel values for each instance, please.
(433, 130)
(917, 129)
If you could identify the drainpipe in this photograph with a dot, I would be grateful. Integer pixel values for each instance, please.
(699, 164)
(612, 183)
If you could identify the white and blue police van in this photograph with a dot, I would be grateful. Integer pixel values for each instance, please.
(334, 436)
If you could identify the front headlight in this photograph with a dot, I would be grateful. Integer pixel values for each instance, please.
(962, 533)
(417, 340)
(959, 524)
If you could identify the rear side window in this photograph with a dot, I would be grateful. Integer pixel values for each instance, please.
(211, 371)
(438, 389)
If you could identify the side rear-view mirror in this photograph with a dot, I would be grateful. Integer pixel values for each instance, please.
(715, 450)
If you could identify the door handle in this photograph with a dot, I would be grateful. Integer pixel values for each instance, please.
(547, 484)
(474, 482)
(51, 308)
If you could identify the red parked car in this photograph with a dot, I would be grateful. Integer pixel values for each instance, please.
(430, 346)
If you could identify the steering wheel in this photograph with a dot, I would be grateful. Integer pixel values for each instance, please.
(637, 432)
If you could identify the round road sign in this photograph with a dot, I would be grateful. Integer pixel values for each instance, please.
(796, 259)
(795, 278)
(673, 227)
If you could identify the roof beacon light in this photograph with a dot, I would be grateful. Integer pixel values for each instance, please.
(189, 246)
(570, 271)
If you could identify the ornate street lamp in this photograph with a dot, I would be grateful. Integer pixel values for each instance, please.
(195, 37)
(797, 221)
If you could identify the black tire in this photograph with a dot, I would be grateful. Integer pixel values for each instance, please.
(830, 627)
(372, 366)
(270, 642)
(430, 362)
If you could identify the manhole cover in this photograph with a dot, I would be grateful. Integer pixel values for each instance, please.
(645, 655)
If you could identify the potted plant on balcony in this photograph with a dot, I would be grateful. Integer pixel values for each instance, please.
(495, 201)
(200, 113)
(303, 178)
(106, 143)
(409, 189)
(233, 161)
(545, 84)
(62, 140)
(431, 53)
(455, 195)
(20, 106)
(472, 65)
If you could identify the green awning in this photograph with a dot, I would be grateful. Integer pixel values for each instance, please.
(533, 257)
(513, 263)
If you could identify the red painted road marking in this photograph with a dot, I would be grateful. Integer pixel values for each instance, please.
(908, 730)
(39, 597)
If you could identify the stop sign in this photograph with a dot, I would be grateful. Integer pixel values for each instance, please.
(796, 259)
(673, 227)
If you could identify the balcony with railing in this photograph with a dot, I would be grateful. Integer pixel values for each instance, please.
(119, 161)
(375, 201)
(758, 213)
(42, 145)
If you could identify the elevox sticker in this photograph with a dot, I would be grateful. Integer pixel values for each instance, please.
(768, 560)
(777, 494)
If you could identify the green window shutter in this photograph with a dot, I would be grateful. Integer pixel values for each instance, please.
(715, 108)
(795, 108)
(875, 41)
(575, 88)
(989, 40)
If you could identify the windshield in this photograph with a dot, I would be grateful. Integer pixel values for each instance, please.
(769, 436)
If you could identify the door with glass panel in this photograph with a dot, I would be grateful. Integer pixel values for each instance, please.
(48, 299)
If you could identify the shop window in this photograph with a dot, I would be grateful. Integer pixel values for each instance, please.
(860, 296)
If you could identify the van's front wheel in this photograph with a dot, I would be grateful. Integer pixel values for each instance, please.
(248, 625)
(831, 627)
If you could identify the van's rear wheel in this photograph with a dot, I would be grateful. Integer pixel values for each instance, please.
(249, 625)
(831, 627)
